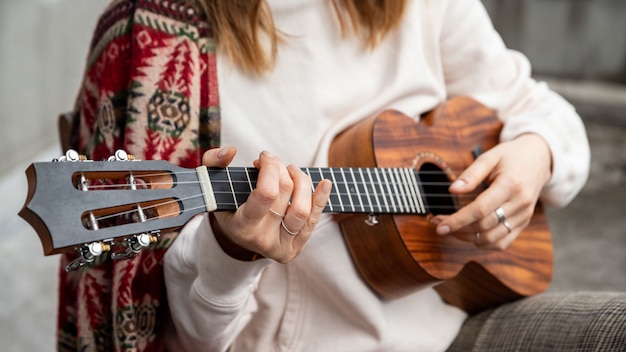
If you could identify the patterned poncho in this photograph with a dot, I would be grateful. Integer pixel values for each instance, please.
(150, 88)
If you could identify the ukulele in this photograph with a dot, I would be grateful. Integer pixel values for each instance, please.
(389, 173)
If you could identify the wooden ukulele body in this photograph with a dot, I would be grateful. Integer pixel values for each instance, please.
(403, 253)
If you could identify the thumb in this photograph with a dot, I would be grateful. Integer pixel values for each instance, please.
(219, 157)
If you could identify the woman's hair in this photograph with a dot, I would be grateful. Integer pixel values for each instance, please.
(240, 25)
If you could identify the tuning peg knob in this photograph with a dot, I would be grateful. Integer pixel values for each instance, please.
(135, 244)
(88, 252)
(71, 155)
(121, 155)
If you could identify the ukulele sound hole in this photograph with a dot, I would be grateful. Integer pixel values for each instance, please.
(435, 185)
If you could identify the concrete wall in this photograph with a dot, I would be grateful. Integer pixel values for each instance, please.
(43, 44)
(576, 39)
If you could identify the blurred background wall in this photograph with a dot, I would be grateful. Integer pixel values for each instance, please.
(43, 44)
(574, 39)
(578, 46)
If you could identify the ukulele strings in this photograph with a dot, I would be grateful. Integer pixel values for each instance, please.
(233, 193)
(339, 183)
(178, 213)
(126, 186)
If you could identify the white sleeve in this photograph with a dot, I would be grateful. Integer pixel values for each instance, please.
(476, 63)
(210, 294)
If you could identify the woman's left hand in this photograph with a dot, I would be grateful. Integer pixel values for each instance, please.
(516, 171)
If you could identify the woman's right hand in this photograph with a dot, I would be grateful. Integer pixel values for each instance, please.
(278, 217)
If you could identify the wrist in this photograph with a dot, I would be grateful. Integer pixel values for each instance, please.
(228, 246)
(541, 149)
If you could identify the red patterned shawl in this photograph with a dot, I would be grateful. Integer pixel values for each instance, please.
(150, 88)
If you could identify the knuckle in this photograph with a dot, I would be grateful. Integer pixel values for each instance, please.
(311, 223)
(301, 213)
(483, 226)
(515, 185)
(482, 209)
(266, 195)
(286, 185)
(527, 199)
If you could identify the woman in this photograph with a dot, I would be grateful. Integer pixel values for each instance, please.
(275, 274)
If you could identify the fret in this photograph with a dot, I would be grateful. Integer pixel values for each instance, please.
(367, 190)
(417, 191)
(356, 191)
(374, 191)
(240, 185)
(407, 191)
(317, 175)
(397, 193)
(232, 190)
(333, 196)
(308, 172)
(221, 189)
(389, 194)
(345, 193)
(405, 196)
(249, 179)
(338, 192)
(382, 191)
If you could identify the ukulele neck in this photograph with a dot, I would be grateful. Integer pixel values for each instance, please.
(355, 190)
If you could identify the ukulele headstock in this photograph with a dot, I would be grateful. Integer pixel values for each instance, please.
(117, 206)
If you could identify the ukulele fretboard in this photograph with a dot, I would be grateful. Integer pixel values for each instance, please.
(355, 190)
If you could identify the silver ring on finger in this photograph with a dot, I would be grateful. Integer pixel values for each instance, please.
(293, 233)
(277, 213)
(500, 214)
(507, 225)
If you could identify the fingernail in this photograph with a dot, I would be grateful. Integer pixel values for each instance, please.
(327, 187)
(267, 154)
(221, 153)
(458, 183)
(443, 230)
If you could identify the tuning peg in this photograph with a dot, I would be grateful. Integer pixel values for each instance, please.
(88, 252)
(121, 155)
(136, 244)
(71, 155)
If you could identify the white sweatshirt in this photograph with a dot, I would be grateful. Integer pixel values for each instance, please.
(322, 83)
